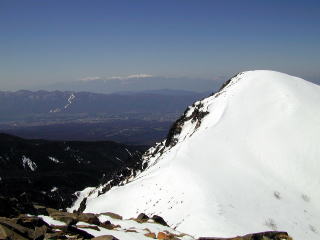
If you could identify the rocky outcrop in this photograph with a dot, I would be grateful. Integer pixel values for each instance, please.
(160, 220)
(142, 217)
(272, 235)
(105, 237)
(120, 177)
(32, 227)
(196, 115)
(151, 235)
(11, 207)
(64, 225)
(26, 227)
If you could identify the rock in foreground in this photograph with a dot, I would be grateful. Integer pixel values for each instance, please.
(55, 224)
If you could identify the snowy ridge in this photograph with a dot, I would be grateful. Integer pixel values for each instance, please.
(190, 122)
(246, 159)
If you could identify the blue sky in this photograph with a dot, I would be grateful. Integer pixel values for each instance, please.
(46, 41)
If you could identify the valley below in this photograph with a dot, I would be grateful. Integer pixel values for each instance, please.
(240, 164)
(141, 118)
(122, 130)
(50, 172)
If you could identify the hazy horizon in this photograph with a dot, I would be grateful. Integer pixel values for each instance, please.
(45, 43)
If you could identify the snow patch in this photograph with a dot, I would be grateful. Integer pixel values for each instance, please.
(54, 160)
(51, 221)
(26, 162)
(130, 154)
(69, 102)
(70, 99)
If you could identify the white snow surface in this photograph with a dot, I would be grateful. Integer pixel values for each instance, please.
(51, 221)
(252, 165)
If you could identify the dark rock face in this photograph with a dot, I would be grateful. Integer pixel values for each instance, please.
(23, 227)
(159, 220)
(120, 177)
(67, 218)
(83, 205)
(10, 207)
(89, 218)
(196, 116)
(142, 217)
(49, 172)
(31, 227)
(225, 84)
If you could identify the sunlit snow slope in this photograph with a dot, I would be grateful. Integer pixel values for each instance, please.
(251, 164)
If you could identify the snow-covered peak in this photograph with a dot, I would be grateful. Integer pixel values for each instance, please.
(245, 159)
(256, 88)
(278, 86)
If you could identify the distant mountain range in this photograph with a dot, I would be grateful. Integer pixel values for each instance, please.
(23, 105)
(134, 83)
(127, 117)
